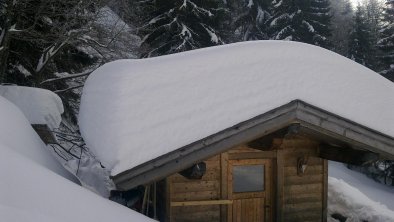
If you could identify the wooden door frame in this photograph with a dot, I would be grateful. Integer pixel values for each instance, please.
(268, 184)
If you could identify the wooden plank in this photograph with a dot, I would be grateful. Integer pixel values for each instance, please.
(311, 206)
(194, 186)
(312, 161)
(198, 216)
(210, 175)
(191, 196)
(301, 151)
(223, 188)
(279, 185)
(325, 190)
(201, 202)
(305, 179)
(168, 213)
(252, 155)
(305, 188)
(243, 148)
(303, 216)
(310, 170)
(193, 209)
(239, 211)
(303, 198)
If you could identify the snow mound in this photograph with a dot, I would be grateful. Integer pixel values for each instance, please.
(34, 186)
(40, 106)
(30, 192)
(373, 190)
(351, 203)
(17, 134)
(135, 110)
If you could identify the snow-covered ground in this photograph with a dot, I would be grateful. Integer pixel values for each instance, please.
(133, 111)
(357, 197)
(34, 187)
(373, 190)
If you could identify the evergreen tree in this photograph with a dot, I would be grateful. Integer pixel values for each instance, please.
(386, 42)
(251, 18)
(342, 23)
(179, 25)
(301, 20)
(361, 43)
(320, 19)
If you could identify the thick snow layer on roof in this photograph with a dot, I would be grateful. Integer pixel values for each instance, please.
(40, 106)
(17, 134)
(135, 110)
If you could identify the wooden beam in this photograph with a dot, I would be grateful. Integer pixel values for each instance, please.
(200, 203)
(346, 154)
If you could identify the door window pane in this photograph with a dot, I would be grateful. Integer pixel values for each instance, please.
(249, 178)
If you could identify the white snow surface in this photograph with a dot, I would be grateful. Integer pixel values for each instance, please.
(353, 204)
(135, 110)
(40, 106)
(376, 192)
(35, 187)
(17, 134)
(30, 192)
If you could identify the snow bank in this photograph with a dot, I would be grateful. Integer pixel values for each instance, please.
(17, 134)
(40, 106)
(351, 203)
(35, 187)
(135, 110)
(375, 191)
(30, 192)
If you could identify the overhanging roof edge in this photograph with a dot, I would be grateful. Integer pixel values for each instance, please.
(296, 111)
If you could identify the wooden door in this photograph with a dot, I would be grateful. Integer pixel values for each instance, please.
(249, 187)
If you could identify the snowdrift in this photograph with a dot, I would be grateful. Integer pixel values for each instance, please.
(34, 187)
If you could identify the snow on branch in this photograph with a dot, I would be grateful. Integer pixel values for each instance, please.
(48, 54)
(71, 76)
(68, 89)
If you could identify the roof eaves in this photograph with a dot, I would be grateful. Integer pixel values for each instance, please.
(309, 117)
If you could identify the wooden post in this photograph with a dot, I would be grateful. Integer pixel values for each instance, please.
(144, 200)
(154, 201)
(279, 185)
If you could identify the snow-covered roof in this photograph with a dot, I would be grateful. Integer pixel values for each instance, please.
(35, 187)
(133, 111)
(40, 106)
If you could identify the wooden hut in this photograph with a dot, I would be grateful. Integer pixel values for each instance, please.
(269, 168)
(240, 132)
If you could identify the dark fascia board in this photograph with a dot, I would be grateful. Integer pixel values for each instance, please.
(310, 118)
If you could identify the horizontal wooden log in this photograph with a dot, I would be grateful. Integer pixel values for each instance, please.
(211, 216)
(303, 198)
(201, 202)
(310, 170)
(192, 196)
(305, 188)
(346, 154)
(311, 206)
(305, 179)
(292, 161)
(191, 186)
(208, 176)
(252, 155)
(303, 215)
